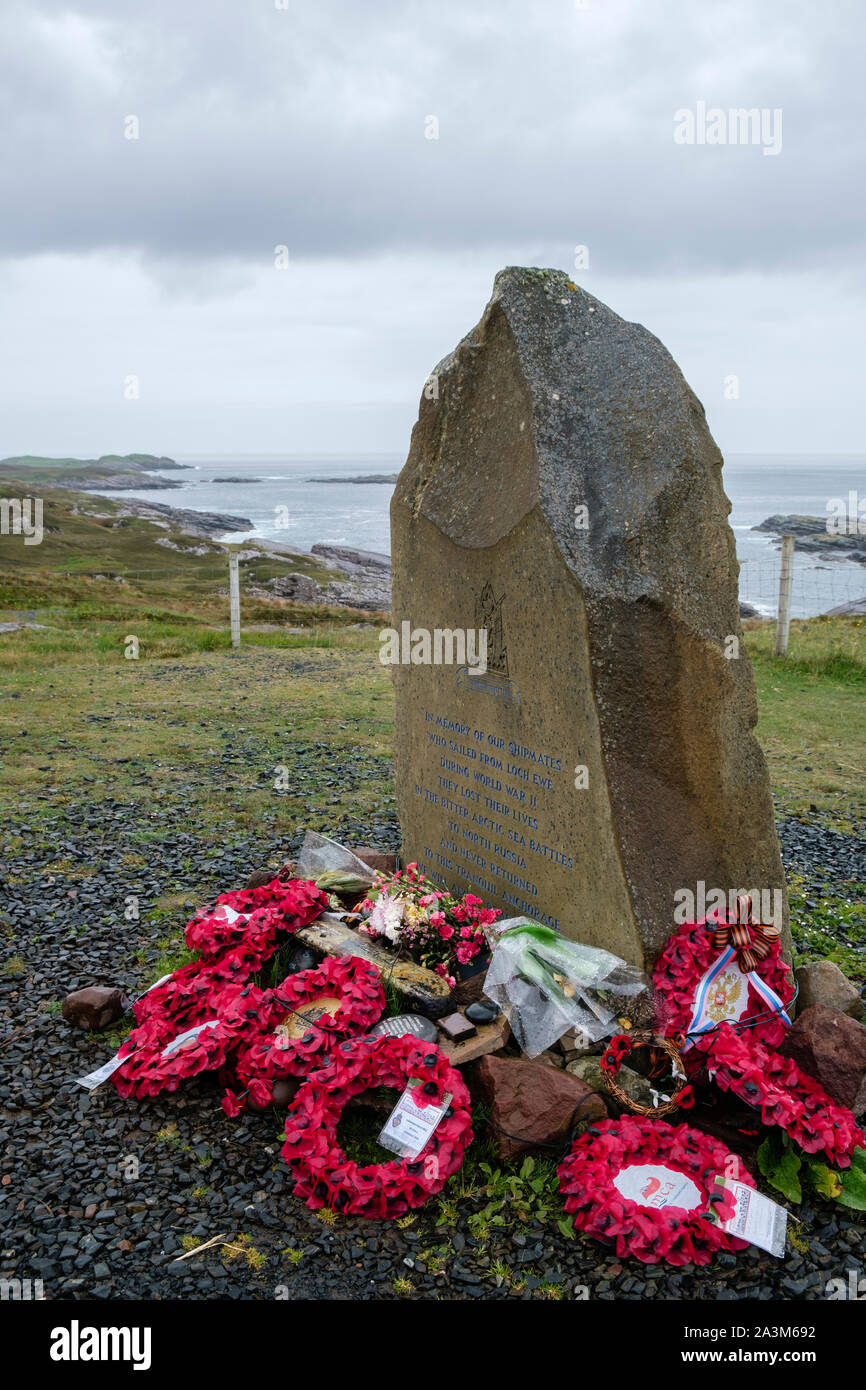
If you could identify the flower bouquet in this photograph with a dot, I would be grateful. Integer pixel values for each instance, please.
(439, 931)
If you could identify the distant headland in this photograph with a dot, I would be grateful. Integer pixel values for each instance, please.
(110, 472)
(359, 478)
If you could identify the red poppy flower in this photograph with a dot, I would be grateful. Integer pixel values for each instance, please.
(776, 1087)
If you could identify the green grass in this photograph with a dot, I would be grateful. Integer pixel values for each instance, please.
(812, 715)
(832, 927)
(86, 535)
(193, 723)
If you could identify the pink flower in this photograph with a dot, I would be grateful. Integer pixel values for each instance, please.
(436, 919)
(446, 931)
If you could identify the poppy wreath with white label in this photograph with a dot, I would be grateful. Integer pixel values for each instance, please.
(293, 1037)
(243, 913)
(664, 1160)
(324, 1176)
(687, 956)
(158, 1055)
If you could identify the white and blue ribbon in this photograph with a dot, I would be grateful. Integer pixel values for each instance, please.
(769, 996)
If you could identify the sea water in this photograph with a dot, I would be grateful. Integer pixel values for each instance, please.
(284, 505)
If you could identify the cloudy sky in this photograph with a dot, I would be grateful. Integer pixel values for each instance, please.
(306, 124)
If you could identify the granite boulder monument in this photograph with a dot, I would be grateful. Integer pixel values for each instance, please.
(592, 754)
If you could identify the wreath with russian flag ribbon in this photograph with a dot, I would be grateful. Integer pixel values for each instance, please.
(324, 1176)
(725, 968)
(305, 1016)
(650, 1188)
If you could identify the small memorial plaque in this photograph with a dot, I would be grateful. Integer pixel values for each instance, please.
(402, 1024)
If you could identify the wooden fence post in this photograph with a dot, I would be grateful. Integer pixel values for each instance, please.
(235, 599)
(786, 579)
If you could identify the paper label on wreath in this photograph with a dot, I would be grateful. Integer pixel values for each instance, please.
(96, 1078)
(654, 1185)
(161, 981)
(408, 1127)
(757, 1219)
(183, 1038)
(228, 914)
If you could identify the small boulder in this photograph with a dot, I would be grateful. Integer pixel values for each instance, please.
(831, 1047)
(822, 982)
(259, 877)
(299, 587)
(532, 1104)
(636, 1087)
(94, 1008)
(376, 859)
(482, 1011)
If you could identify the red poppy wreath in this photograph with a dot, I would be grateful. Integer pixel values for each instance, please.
(650, 1187)
(233, 946)
(274, 907)
(158, 1055)
(775, 1086)
(326, 1177)
(306, 1015)
(700, 982)
(192, 993)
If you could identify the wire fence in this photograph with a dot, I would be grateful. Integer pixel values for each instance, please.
(818, 586)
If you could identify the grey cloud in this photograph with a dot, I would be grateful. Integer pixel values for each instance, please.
(306, 127)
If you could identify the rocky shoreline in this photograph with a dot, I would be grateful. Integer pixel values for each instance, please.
(365, 575)
(812, 534)
(211, 525)
(367, 582)
(109, 472)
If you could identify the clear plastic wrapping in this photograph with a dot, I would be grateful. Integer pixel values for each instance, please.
(320, 855)
(546, 985)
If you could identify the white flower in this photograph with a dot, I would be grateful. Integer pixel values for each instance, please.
(386, 917)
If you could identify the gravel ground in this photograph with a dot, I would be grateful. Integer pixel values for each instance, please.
(97, 1193)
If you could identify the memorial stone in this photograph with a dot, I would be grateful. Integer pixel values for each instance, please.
(593, 753)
